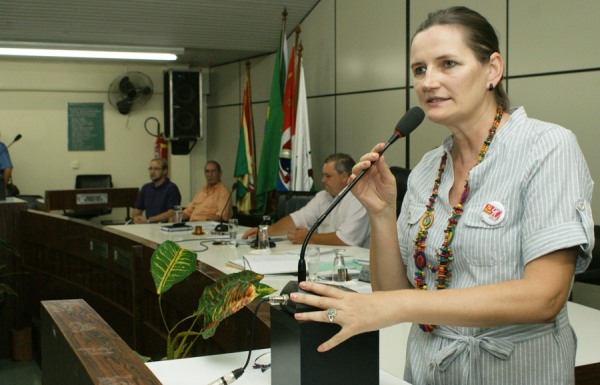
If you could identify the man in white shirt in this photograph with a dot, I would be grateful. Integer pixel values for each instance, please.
(346, 225)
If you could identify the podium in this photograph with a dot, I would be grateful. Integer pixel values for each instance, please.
(93, 198)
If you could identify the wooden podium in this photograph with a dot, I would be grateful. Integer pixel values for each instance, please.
(96, 198)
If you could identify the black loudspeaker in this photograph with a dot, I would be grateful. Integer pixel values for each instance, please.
(294, 356)
(183, 105)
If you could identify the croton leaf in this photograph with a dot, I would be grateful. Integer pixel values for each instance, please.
(228, 295)
(171, 264)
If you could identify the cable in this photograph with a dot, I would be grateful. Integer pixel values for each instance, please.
(158, 133)
(237, 373)
(202, 243)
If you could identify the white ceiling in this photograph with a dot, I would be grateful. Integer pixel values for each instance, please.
(212, 32)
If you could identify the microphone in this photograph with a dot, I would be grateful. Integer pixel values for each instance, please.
(223, 227)
(19, 136)
(16, 139)
(405, 126)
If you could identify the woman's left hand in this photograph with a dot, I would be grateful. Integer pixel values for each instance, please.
(355, 313)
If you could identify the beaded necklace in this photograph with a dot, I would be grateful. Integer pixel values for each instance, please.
(444, 254)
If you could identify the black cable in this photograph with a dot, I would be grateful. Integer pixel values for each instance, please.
(158, 133)
(202, 243)
(251, 338)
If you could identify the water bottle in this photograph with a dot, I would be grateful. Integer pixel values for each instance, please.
(340, 271)
(263, 235)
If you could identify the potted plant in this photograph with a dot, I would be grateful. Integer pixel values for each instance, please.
(171, 264)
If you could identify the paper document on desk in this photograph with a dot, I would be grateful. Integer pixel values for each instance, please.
(268, 263)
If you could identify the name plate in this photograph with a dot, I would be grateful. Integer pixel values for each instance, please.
(91, 199)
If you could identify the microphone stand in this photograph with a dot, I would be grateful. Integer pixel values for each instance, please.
(405, 126)
(341, 195)
(222, 227)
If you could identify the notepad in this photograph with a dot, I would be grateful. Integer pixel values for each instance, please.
(177, 227)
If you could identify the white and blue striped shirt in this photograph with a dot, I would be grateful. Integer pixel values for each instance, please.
(535, 175)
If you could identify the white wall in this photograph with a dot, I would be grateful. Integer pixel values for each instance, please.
(355, 65)
(34, 96)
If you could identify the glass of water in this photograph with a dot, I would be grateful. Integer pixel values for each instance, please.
(178, 214)
(312, 256)
(233, 229)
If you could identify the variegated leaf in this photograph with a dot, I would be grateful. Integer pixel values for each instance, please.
(171, 264)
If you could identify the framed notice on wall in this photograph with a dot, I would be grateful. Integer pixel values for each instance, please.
(86, 126)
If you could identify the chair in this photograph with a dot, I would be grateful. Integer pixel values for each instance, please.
(90, 181)
(592, 274)
(290, 201)
(401, 175)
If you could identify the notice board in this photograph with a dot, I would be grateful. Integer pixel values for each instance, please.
(86, 126)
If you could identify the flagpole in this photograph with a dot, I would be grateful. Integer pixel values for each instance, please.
(283, 36)
(251, 124)
(297, 69)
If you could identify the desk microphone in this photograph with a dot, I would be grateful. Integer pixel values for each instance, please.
(405, 126)
(16, 139)
(223, 227)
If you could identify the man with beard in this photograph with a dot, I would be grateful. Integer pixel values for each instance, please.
(157, 197)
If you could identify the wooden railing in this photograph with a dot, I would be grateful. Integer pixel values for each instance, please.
(80, 348)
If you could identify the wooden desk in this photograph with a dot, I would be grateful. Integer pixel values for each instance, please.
(86, 198)
(109, 268)
(69, 258)
(10, 313)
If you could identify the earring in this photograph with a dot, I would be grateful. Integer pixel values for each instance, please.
(491, 87)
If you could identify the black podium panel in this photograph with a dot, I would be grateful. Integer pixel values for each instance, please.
(295, 360)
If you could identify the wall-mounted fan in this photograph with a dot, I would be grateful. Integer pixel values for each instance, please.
(130, 91)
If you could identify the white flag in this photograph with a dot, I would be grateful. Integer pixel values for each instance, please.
(301, 154)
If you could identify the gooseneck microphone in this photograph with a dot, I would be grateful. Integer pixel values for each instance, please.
(223, 227)
(405, 126)
(16, 139)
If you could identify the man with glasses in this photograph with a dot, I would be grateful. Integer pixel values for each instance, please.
(157, 197)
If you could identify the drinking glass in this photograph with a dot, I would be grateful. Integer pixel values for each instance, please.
(312, 256)
(178, 215)
(233, 228)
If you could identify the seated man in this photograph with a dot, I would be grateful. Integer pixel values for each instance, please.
(158, 197)
(212, 202)
(347, 224)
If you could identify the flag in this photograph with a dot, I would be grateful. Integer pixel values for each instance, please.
(269, 157)
(302, 172)
(245, 164)
(287, 128)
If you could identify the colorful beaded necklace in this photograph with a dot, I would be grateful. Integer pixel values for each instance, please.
(444, 254)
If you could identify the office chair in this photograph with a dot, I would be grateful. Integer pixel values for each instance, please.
(290, 201)
(89, 181)
(592, 274)
(401, 175)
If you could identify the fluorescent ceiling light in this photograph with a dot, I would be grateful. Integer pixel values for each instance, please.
(88, 52)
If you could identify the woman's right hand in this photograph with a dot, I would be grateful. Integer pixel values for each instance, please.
(376, 190)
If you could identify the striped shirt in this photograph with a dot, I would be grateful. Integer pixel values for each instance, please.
(530, 196)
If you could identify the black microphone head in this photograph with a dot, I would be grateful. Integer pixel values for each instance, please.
(17, 137)
(409, 122)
